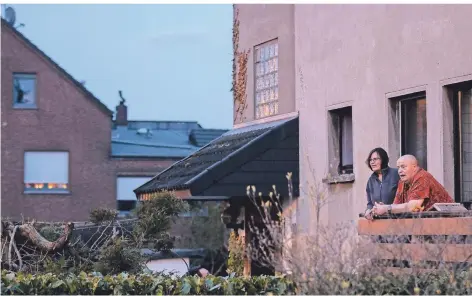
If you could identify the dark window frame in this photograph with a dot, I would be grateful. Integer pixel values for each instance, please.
(457, 139)
(403, 127)
(339, 115)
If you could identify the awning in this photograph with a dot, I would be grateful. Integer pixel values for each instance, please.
(259, 155)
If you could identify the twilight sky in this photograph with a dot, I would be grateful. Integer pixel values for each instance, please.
(172, 62)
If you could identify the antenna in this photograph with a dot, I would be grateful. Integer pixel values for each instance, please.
(10, 16)
(122, 101)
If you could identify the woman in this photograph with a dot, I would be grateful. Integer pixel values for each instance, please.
(382, 184)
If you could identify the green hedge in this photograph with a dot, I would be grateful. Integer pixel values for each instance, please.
(459, 283)
(143, 284)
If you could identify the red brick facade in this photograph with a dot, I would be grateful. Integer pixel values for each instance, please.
(67, 119)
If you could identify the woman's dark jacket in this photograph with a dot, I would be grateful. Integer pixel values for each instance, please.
(382, 191)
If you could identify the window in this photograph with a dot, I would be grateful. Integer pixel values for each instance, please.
(413, 127)
(342, 128)
(24, 90)
(46, 172)
(267, 79)
(126, 199)
(462, 106)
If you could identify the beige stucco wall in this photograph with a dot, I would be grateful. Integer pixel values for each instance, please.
(259, 23)
(360, 56)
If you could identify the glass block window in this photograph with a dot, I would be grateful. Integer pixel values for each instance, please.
(267, 79)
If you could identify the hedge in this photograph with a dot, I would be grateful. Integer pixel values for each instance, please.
(142, 284)
(442, 283)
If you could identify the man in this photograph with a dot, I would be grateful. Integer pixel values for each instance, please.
(417, 190)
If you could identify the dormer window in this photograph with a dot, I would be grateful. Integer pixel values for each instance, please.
(24, 90)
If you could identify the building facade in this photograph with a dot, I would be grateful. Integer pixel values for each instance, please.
(62, 153)
(360, 77)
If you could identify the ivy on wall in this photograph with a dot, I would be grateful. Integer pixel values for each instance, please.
(240, 59)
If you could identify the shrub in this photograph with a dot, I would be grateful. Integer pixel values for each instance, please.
(142, 284)
(236, 254)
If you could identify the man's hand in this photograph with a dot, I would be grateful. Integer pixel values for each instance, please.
(369, 214)
(380, 209)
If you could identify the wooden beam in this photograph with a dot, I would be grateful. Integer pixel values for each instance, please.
(419, 226)
(184, 194)
(424, 252)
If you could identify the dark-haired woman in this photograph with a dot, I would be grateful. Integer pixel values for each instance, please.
(382, 184)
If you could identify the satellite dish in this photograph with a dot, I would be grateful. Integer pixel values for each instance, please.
(10, 15)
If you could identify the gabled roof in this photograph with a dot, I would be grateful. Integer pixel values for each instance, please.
(221, 157)
(165, 139)
(201, 137)
(79, 85)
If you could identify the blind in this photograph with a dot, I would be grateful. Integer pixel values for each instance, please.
(346, 137)
(126, 185)
(46, 167)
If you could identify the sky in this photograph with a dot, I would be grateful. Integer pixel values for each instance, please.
(172, 62)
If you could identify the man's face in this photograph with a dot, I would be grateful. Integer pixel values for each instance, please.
(406, 170)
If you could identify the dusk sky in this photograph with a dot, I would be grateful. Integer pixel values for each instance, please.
(172, 62)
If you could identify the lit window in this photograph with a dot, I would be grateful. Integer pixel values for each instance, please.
(267, 79)
(46, 172)
(24, 90)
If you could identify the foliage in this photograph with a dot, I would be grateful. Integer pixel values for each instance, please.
(240, 60)
(118, 257)
(50, 232)
(141, 284)
(206, 232)
(337, 284)
(102, 215)
(236, 254)
(154, 220)
(107, 244)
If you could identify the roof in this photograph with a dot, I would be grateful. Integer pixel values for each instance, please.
(201, 137)
(220, 157)
(79, 85)
(163, 139)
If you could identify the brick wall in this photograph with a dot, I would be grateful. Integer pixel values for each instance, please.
(66, 119)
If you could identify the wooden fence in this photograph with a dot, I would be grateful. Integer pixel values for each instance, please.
(420, 241)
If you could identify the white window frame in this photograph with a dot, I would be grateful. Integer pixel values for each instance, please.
(38, 177)
(266, 79)
(24, 76)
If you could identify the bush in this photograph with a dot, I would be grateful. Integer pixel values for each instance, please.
(236, 254)
(142, 284)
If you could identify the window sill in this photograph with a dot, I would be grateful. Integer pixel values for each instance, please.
(25, 107)
(47, 192)
(343, 178)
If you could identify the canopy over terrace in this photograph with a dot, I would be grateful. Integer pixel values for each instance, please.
(259, 154)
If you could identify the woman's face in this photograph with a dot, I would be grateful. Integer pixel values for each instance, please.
(375, 162)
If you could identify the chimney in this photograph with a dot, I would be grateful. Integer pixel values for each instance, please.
(121, 112)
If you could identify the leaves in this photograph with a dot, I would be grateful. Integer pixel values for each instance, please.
(142, 284)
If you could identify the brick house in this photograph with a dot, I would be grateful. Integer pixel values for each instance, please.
(62, 152)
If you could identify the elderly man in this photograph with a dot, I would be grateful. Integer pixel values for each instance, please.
(417, 189)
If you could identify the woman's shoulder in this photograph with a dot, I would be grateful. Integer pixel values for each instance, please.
(394, 171)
